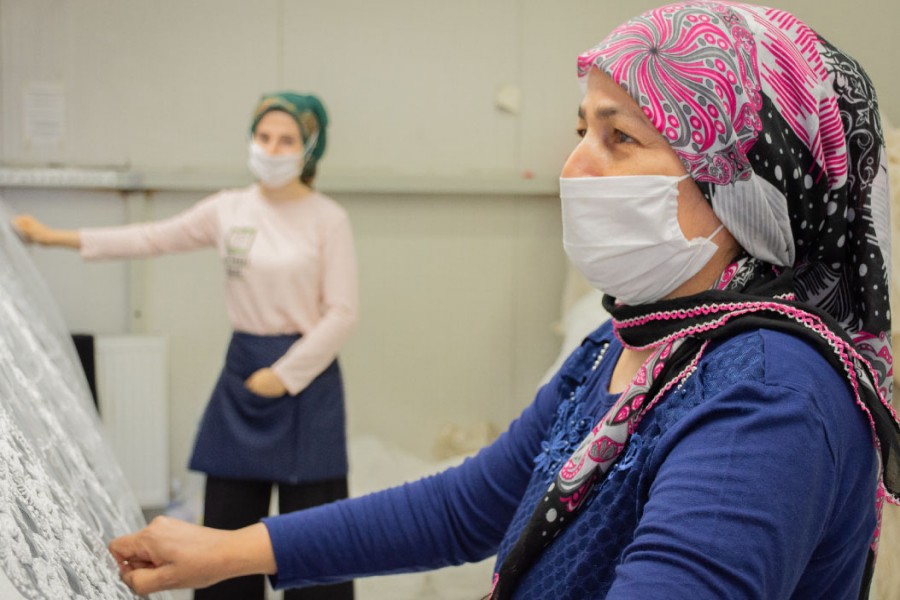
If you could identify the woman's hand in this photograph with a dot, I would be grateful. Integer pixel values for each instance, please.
(170, 553)
(266, 383)
(33, 231)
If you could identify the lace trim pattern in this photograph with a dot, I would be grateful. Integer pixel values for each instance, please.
(62, 494)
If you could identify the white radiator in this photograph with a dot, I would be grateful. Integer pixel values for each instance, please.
(133, 393)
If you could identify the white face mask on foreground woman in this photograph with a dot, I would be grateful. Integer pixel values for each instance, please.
(622, 234)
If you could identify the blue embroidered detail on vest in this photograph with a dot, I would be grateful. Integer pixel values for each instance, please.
(571, 425)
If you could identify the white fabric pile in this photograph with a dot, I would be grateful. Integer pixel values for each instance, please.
(376, 465)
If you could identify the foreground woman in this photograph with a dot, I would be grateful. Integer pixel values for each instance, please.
(727, 434)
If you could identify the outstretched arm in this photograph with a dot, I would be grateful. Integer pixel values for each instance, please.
(191, 229)
(33, 231)
(170, 553)
(456, 516)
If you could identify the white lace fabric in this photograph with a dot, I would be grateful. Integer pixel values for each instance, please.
(62, 494)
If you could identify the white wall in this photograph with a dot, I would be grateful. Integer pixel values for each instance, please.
(169, 84)
(460, 252)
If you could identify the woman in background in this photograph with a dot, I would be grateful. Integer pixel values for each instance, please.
(727, 434)
(276, 416)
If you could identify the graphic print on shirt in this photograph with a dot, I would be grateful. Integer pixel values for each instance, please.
(238, 242)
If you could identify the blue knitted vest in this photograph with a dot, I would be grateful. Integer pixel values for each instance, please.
(582, 561)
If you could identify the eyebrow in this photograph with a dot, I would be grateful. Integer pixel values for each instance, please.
(604, 112)
(612, 111)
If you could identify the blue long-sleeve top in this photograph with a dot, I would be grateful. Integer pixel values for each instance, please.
(756, 478)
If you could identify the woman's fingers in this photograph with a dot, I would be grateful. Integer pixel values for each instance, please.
(129, 549)
(264, 382)
(28, 227)
(170, 553)
(148, 580)
(23, 224)
(141, 558)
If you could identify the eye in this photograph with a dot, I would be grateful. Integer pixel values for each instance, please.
(622, 137)
(581, 132)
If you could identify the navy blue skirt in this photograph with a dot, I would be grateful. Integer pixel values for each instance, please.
(291, 439)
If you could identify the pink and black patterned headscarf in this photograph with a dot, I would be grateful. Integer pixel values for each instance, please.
(781, 132)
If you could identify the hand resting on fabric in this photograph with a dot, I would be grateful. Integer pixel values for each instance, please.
(34, 232)
(170, 553)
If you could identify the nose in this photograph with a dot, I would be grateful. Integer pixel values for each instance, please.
(584, 161)
(269, 146)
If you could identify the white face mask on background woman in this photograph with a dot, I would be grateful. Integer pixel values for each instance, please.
(622, 234)
(274, 171)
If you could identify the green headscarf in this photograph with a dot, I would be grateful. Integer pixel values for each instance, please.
(311, 118)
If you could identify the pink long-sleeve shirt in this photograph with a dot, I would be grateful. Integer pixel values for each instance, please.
(290, 267)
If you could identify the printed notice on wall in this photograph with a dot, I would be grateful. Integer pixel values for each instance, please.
(44, 112)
